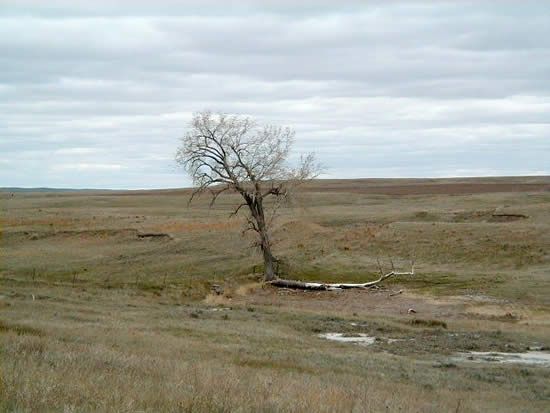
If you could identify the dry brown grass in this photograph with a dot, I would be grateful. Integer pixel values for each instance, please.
(75, 350)
(93, 318)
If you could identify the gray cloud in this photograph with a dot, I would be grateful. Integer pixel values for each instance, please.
(97, 94)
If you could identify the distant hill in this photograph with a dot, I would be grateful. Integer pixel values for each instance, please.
(386, 186)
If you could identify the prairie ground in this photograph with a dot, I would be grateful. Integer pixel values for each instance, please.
(106, 303)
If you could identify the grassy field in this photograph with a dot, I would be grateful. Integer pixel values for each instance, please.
(95, 315)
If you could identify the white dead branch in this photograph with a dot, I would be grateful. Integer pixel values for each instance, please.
(339, 286)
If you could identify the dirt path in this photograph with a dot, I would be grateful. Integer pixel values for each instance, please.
(386, 303)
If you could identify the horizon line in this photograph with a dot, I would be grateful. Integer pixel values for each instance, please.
(61, 188)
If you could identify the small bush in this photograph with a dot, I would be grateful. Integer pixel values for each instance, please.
(19, 329)
(428, 323)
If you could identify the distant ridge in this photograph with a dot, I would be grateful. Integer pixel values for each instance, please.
(395, 186)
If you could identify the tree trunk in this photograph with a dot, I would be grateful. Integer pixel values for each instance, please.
(269, 265)
(257, 210)
(269, 259)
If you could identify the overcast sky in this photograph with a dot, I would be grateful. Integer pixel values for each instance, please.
(96, 94)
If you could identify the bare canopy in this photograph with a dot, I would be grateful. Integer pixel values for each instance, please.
(235, 153)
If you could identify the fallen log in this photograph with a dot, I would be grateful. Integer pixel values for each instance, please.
(505, 217)
(157, 235)
(318, 286)
(299, 285)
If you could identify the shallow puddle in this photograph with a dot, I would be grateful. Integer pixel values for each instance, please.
(537, 358)
(360, 338)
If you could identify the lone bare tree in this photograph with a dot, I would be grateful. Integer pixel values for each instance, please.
(235, 153)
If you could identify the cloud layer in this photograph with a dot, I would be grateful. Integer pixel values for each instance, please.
(96, 94)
